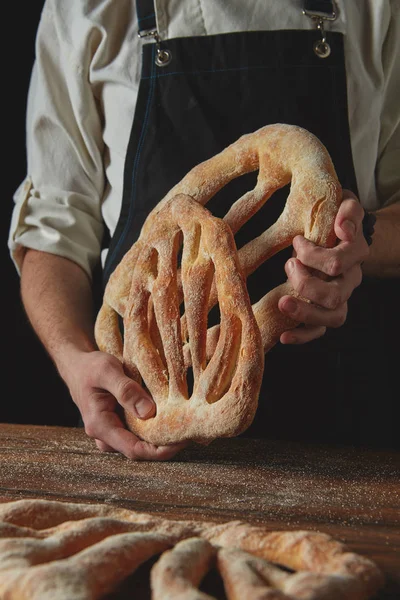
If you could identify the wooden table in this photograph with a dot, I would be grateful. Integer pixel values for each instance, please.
(351, 494)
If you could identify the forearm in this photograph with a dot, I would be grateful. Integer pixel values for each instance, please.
(384, 258)
(57, 297)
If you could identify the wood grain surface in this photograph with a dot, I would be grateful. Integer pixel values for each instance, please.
(351, 494)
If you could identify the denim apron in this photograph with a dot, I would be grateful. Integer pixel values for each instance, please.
(197, 95)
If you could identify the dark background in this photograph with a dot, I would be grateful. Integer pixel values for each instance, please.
(34, 392)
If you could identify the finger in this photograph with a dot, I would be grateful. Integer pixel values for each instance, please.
(109, 432)
(312, 314)
(302, 335)
(331, 261)
(329, 294)
(108, 429)
(128, 393)
(348, 222)
(104, 447)
(146, 451)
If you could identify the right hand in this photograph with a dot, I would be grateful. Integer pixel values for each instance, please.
(97, 384)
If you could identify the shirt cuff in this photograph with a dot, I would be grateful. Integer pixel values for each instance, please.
(60, 223)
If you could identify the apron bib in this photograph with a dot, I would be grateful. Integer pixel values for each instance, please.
(215, 89)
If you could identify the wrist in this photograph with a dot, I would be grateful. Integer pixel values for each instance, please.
(70, 355)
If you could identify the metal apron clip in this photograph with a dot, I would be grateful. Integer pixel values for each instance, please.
(320, 11)
(163, 56)
(147, 26)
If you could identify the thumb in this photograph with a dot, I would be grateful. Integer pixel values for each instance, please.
(128, 393)
(134, 399)
(349, 217)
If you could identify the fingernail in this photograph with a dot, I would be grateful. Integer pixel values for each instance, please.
(290, 265)
(349, 227)
(290, 306)
(144, 407)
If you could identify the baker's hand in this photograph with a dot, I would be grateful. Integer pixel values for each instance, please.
(308, 269)
(98, 385)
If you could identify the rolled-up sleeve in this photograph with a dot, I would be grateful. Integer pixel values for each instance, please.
(58, 206)
(388, 166)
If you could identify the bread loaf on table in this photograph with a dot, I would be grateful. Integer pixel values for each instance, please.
(51, 550)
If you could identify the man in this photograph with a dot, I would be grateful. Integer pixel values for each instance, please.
(228, 70)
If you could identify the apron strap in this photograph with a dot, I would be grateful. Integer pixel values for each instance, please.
(146, 15)
(147, 25)
(320, 9)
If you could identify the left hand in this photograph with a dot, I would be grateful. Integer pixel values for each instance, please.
(325, 276)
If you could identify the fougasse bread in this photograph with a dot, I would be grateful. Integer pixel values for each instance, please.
(51, 550)
(149, 287)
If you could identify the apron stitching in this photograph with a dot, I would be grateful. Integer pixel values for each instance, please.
(260, 67)
(136, 162)
(148, 17)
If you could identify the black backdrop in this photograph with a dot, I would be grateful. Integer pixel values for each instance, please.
(33, 392)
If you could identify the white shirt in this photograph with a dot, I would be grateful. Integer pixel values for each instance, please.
(83, 94)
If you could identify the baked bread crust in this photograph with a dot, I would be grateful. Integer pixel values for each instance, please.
(148, 287)
(52, 550)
